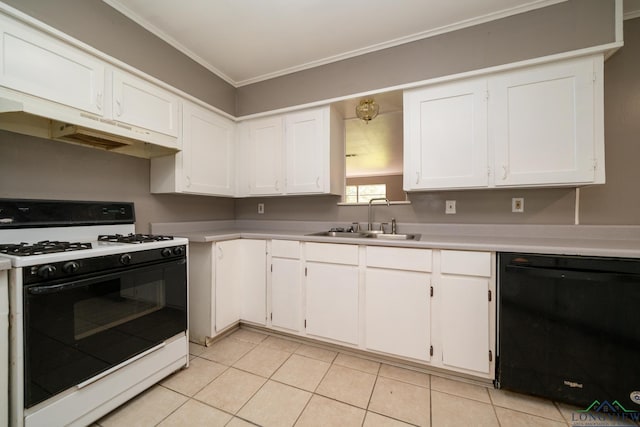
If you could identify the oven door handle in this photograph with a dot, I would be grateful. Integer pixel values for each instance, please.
(54, 289)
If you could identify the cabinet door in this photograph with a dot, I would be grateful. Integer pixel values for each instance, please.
(286, 294)
(265, 156)
(40, 65)
(208, 152)
(465, 322)
(228, 283)
(307, 146)
(446, 136)
(542, 123)
(332, 301)
(253, 269)
(398, 312)
(143, 104)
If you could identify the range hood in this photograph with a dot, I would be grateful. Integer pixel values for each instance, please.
(41, 118)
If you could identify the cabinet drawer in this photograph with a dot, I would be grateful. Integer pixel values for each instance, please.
(332, 253)
(466, 263)
(285, 249)
(399, 258)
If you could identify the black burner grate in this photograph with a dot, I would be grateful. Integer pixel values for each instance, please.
(43, 247)
(133, 238)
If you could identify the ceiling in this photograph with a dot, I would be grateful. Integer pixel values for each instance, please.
(246, 41)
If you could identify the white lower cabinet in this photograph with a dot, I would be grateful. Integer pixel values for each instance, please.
(332, 292)
(222, 290)
(465, 298)
(397, 301)
(286, 286)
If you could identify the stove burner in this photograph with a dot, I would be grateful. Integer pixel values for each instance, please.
(43, 247)
(133, 238)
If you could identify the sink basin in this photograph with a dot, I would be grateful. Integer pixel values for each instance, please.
(367, 235)
(338, 234)
(387, 236)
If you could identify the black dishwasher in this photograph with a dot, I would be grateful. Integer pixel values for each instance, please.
(569, 328)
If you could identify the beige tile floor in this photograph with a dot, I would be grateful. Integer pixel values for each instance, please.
(250, 378)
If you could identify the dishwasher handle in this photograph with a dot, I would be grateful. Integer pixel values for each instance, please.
(587, 275)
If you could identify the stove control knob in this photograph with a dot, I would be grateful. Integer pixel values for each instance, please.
(125, 259)
(71, 267)
(166, 252)
(178, 250)
(47, 271)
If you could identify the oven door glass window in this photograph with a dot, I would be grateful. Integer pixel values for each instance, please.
(76, 330)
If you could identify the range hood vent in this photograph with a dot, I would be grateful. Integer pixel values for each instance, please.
(44, 119)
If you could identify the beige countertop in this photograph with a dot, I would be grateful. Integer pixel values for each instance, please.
(614, 241)
(5, 264)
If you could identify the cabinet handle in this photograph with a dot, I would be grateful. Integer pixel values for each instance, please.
(277, 186)
(220, 253)
(417, 177)
(505, 171)
(318, 182)
(99, 101)
(118, 108)
(188, 178)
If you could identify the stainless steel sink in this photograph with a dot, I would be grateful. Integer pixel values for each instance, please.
(367, 235)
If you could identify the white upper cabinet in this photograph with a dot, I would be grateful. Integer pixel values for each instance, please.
(545, 124)
(296, 153)
(306, 152)
(206, 164)
(536, 126)
(446, 136)
(140, 103)
(38, 64)
(264, 156)
(208, 152)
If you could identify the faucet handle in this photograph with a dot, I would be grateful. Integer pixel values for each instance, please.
(355, 227)
(394, 226)
(382, 225)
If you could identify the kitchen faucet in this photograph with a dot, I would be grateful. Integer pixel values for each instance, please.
(370, 224)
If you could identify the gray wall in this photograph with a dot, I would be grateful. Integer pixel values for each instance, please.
(102, 27)
(618, 201)
(562, 27)
(35, 168)
(43, 169)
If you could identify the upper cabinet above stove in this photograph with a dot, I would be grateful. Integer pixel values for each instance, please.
(54, 87)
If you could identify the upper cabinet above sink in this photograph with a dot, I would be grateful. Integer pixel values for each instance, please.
(535, 126)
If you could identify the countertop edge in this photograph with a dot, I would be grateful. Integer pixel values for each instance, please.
(583, 247)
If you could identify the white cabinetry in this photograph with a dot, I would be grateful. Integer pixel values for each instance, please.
(40, 65)
(332, 292)
(139, 103)
(536, 126)
(546, 123)
(222, 290)
(264, 159)
(397, 301)
(296, 153)
(286, 286)
(206, 163)
(446, 136)
(466, 311)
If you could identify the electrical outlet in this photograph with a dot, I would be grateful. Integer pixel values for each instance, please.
(261, 208)
(517, 204)
(450, 207)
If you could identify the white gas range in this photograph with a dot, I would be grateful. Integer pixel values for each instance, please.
(99, 313)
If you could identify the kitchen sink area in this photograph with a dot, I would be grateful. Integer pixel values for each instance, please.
(366, 235)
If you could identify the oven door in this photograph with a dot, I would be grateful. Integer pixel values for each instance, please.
(76, 330)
